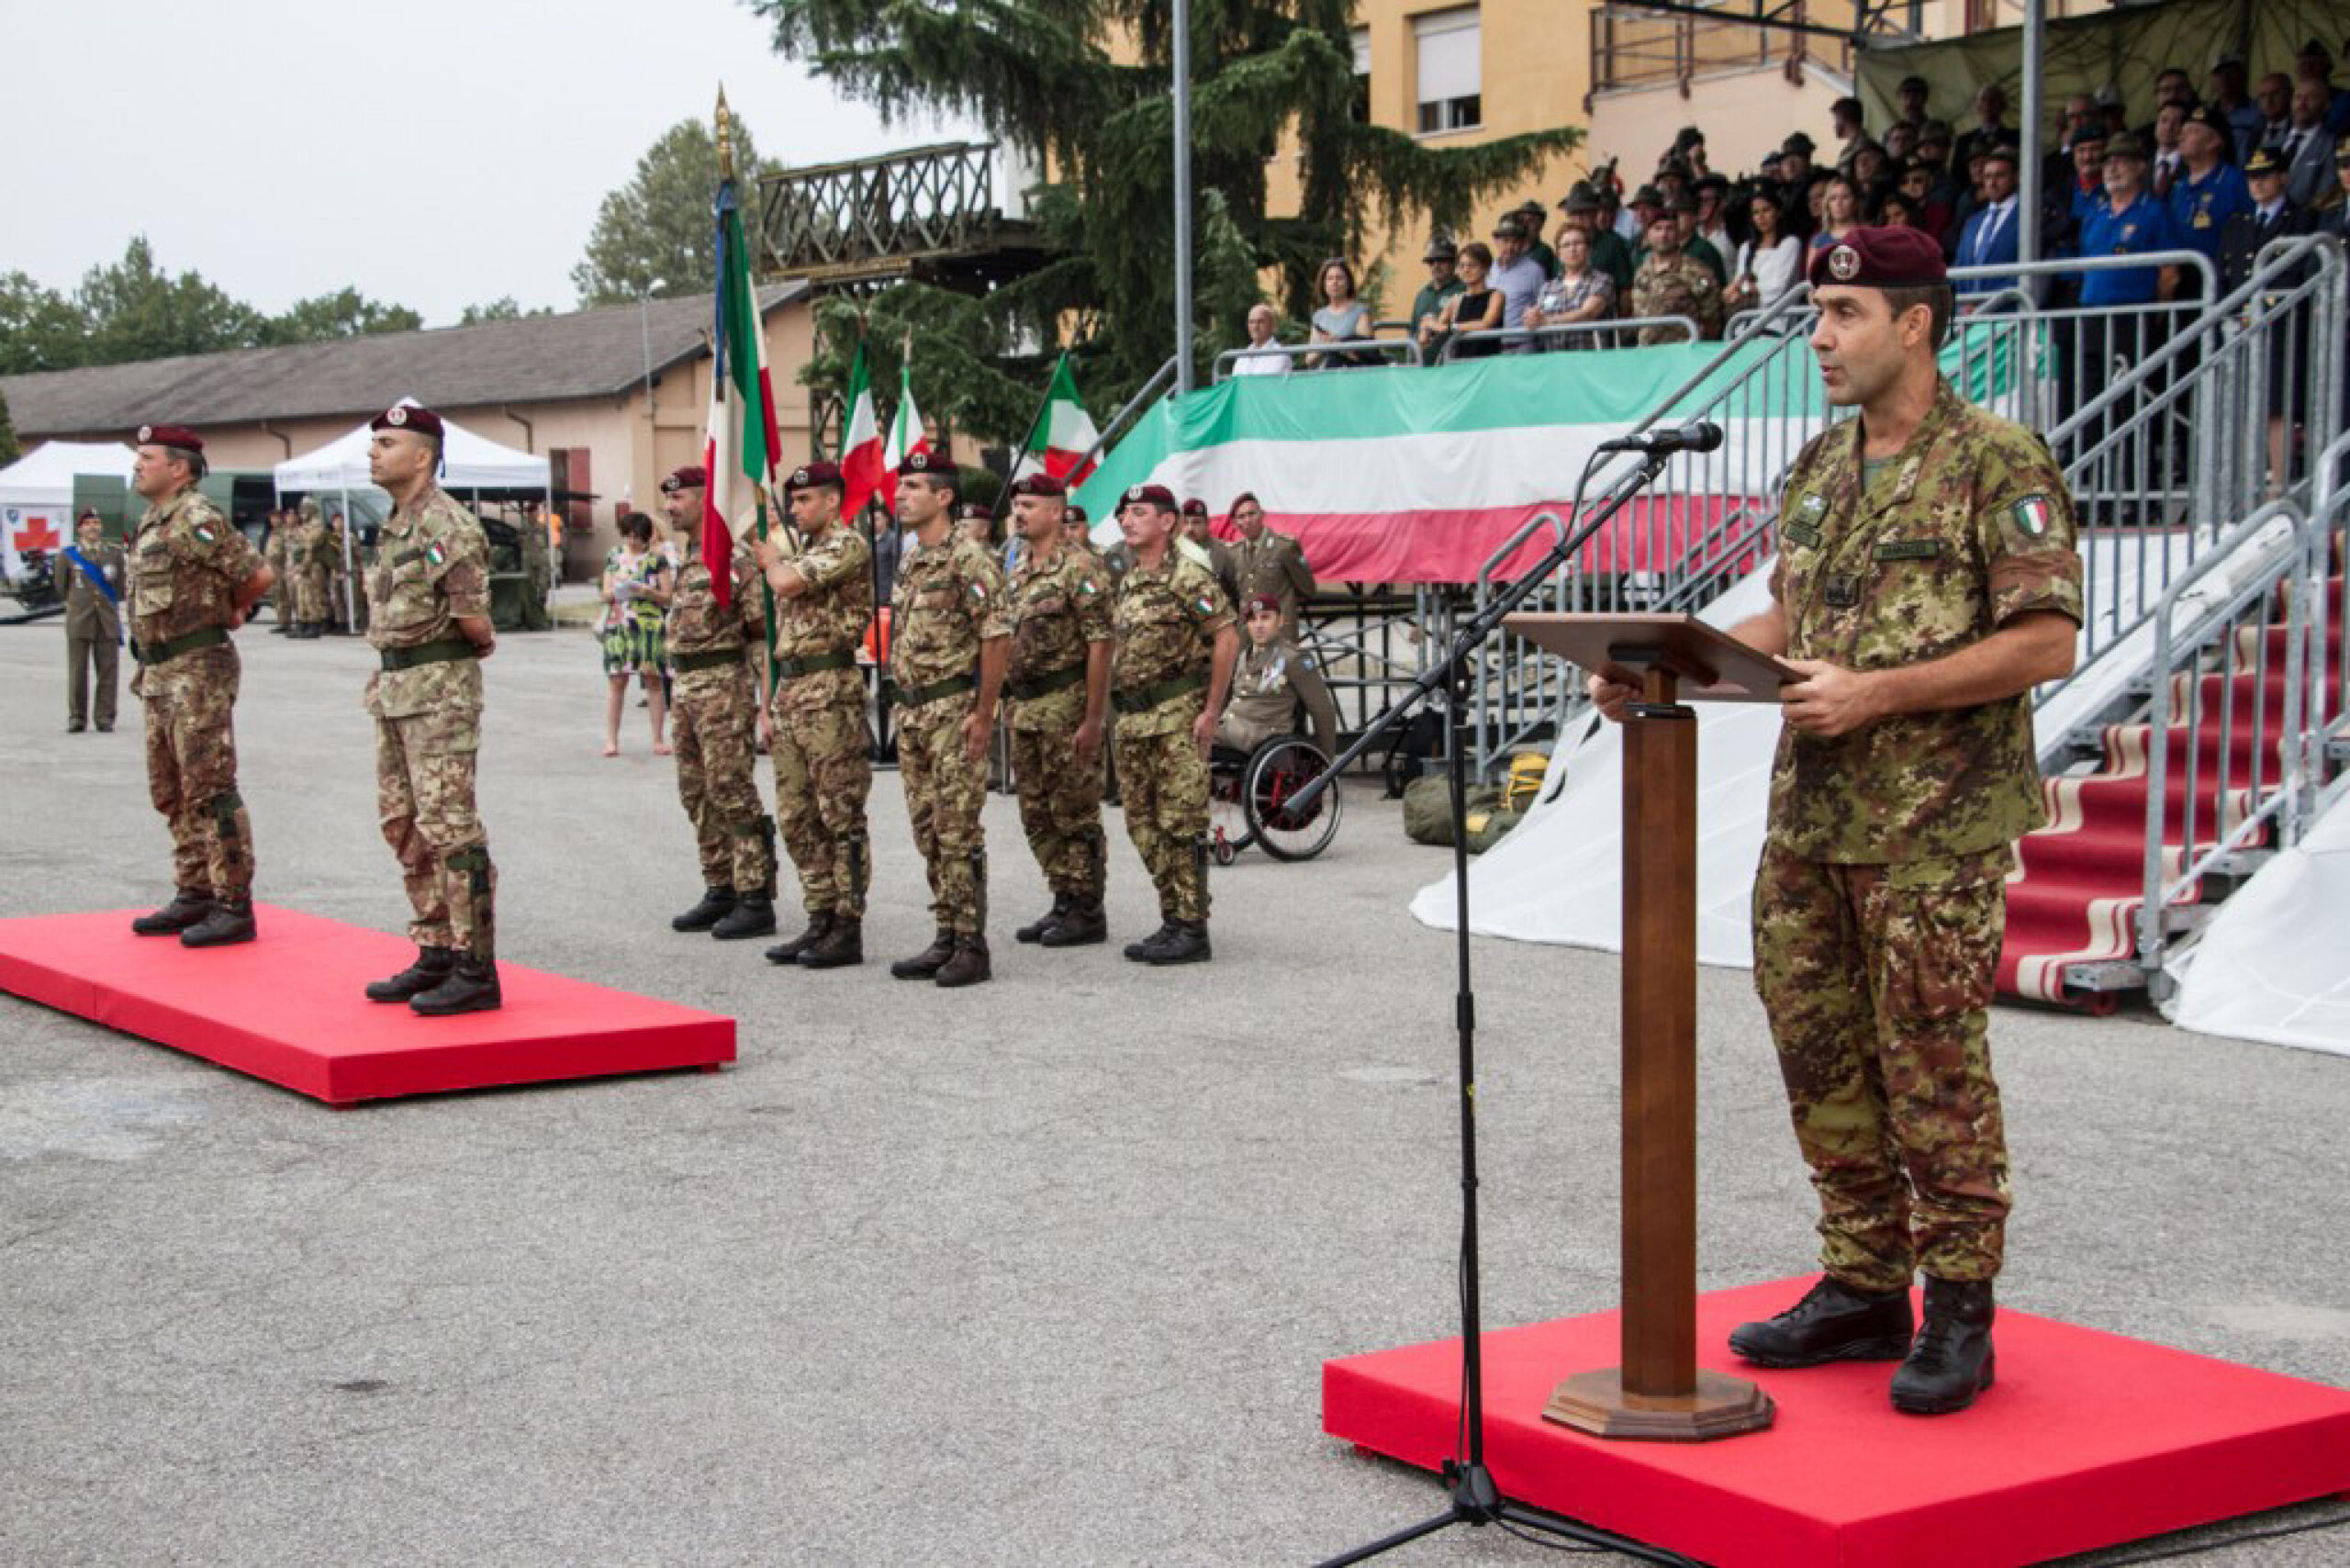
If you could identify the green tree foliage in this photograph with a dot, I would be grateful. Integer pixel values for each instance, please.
(959, 381)
(1040, 75)
(9, 451)
(346, 313)
(40, 327)
(505, 307)
(655, 235)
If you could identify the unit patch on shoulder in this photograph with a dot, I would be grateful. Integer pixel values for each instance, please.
(204, 533)
(1207, 605)
(434, 554)
(2032, 515)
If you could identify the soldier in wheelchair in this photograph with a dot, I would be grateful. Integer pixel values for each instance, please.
(1259, 759)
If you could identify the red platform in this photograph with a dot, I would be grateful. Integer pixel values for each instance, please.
(2087, 1439)
(287, 1008)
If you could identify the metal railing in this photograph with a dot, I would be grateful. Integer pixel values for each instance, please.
(871, 216)
(1614, 334)
(1633, 48)
(1403, 351)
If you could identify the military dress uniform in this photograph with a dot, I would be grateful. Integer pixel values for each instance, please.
(1275, 564)
(92, 631)
(431, 570)
(187, 564)
(823, 748)
(1165, 621)
(1061, 611)
(948, 598)
(714, 717)
(1268, 684)
(1676, 286)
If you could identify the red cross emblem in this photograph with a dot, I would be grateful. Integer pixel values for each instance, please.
(36, 534)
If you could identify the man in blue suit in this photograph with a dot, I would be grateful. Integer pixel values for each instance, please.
(1991, 235)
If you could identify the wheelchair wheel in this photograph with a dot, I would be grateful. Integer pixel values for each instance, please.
(1276, 771)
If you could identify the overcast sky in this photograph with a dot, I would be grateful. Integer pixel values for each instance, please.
(436, 154)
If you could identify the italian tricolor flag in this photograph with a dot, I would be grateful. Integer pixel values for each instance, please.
(906, 434)
(865, 469)
(1062, 434)
(740, 450)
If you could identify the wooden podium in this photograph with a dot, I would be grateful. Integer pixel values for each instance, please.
(1658, 1393)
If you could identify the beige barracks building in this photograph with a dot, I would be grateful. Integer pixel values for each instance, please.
(613, 398)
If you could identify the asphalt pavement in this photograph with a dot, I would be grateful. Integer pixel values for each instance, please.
(1041, 1272)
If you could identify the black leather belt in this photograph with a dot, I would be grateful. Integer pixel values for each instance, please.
(439, 652)
(789, 669)
(1045, 685)
(915, 696)
(717, 658)
(1142, 699)
(173, 647)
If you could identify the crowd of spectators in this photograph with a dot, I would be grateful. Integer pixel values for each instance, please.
(2220, 171)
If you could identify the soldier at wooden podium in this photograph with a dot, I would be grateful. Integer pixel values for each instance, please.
(1926, 582)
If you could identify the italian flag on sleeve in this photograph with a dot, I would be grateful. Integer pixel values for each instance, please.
(740, 450)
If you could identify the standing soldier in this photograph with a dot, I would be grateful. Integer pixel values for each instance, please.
(1198, 541)
(821, 746)
(950, 627)
(1271, 563)
(193, 578)
(309, 551)
(428, 618)
(275, 550)
(1926, 581)
(1175, 650)
(339, 605)
(714, 713)
(92, 579)
(1670, 282)
(1059, 685)
(537, 573)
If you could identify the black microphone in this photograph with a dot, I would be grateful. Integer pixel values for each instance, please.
(1697, 435)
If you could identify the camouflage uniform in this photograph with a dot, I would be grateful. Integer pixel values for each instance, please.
(1678, 285)
(947, 599)
(1061, 607)
(1268, 684)
(312, 542)
(714, 717)
(433, 568)
(187, 563)
(1167, 621)
(277, 550)
(823, 748)
(1275, 564)
(1879, 905)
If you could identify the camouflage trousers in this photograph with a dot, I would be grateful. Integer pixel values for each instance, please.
(1060, 810)
(1878, 979)
(1163, 783)
(713, 720)
(424, 800)
(824, 770)
(192, 770)
(310, 594)
(945, 790)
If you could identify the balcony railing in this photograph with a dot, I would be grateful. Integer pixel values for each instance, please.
(877, 217)
(1633, 48)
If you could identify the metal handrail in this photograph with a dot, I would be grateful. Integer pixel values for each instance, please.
(1294, 351)
(1514, 335)
(1161, 381)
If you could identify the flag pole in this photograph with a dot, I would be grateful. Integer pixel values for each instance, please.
(725, 185)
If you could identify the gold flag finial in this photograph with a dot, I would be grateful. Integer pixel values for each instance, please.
(726, 137)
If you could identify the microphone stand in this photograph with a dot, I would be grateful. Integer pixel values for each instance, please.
(1476, 1499)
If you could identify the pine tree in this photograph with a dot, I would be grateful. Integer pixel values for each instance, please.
(1042, 75)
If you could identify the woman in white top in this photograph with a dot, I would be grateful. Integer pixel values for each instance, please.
(1768, 265)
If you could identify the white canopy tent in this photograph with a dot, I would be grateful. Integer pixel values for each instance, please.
(37, 493)
(469, 462)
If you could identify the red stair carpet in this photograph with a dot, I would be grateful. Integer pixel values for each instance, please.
(287, 1008)
(2087, 1439)
(2080, 880)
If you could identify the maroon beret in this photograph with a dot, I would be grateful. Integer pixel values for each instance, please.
(810, 475)
(1882, 257)
(408, 417)
(1038, 484)
(180, 436)
(975, 512)
(1256, 601)
(1195, 507)
(1076, 514)
(1159, 496)
(936, 465)
(690, 477)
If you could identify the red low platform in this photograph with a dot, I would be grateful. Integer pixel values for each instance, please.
(2087, 1439)
(287, 1008)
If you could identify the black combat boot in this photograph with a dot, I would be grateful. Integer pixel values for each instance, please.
(470, 986)
(1082, 927)
(970, 964)
(228, 922)
(1139, 952)
(188, 906)
(1186, 943)
(716, 904)
(753, 916)
(789, 952)
(1951, 1361)
(1833, 1322)
(842, 946)
(929, 961)
(1036, 930)
(432, 966)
